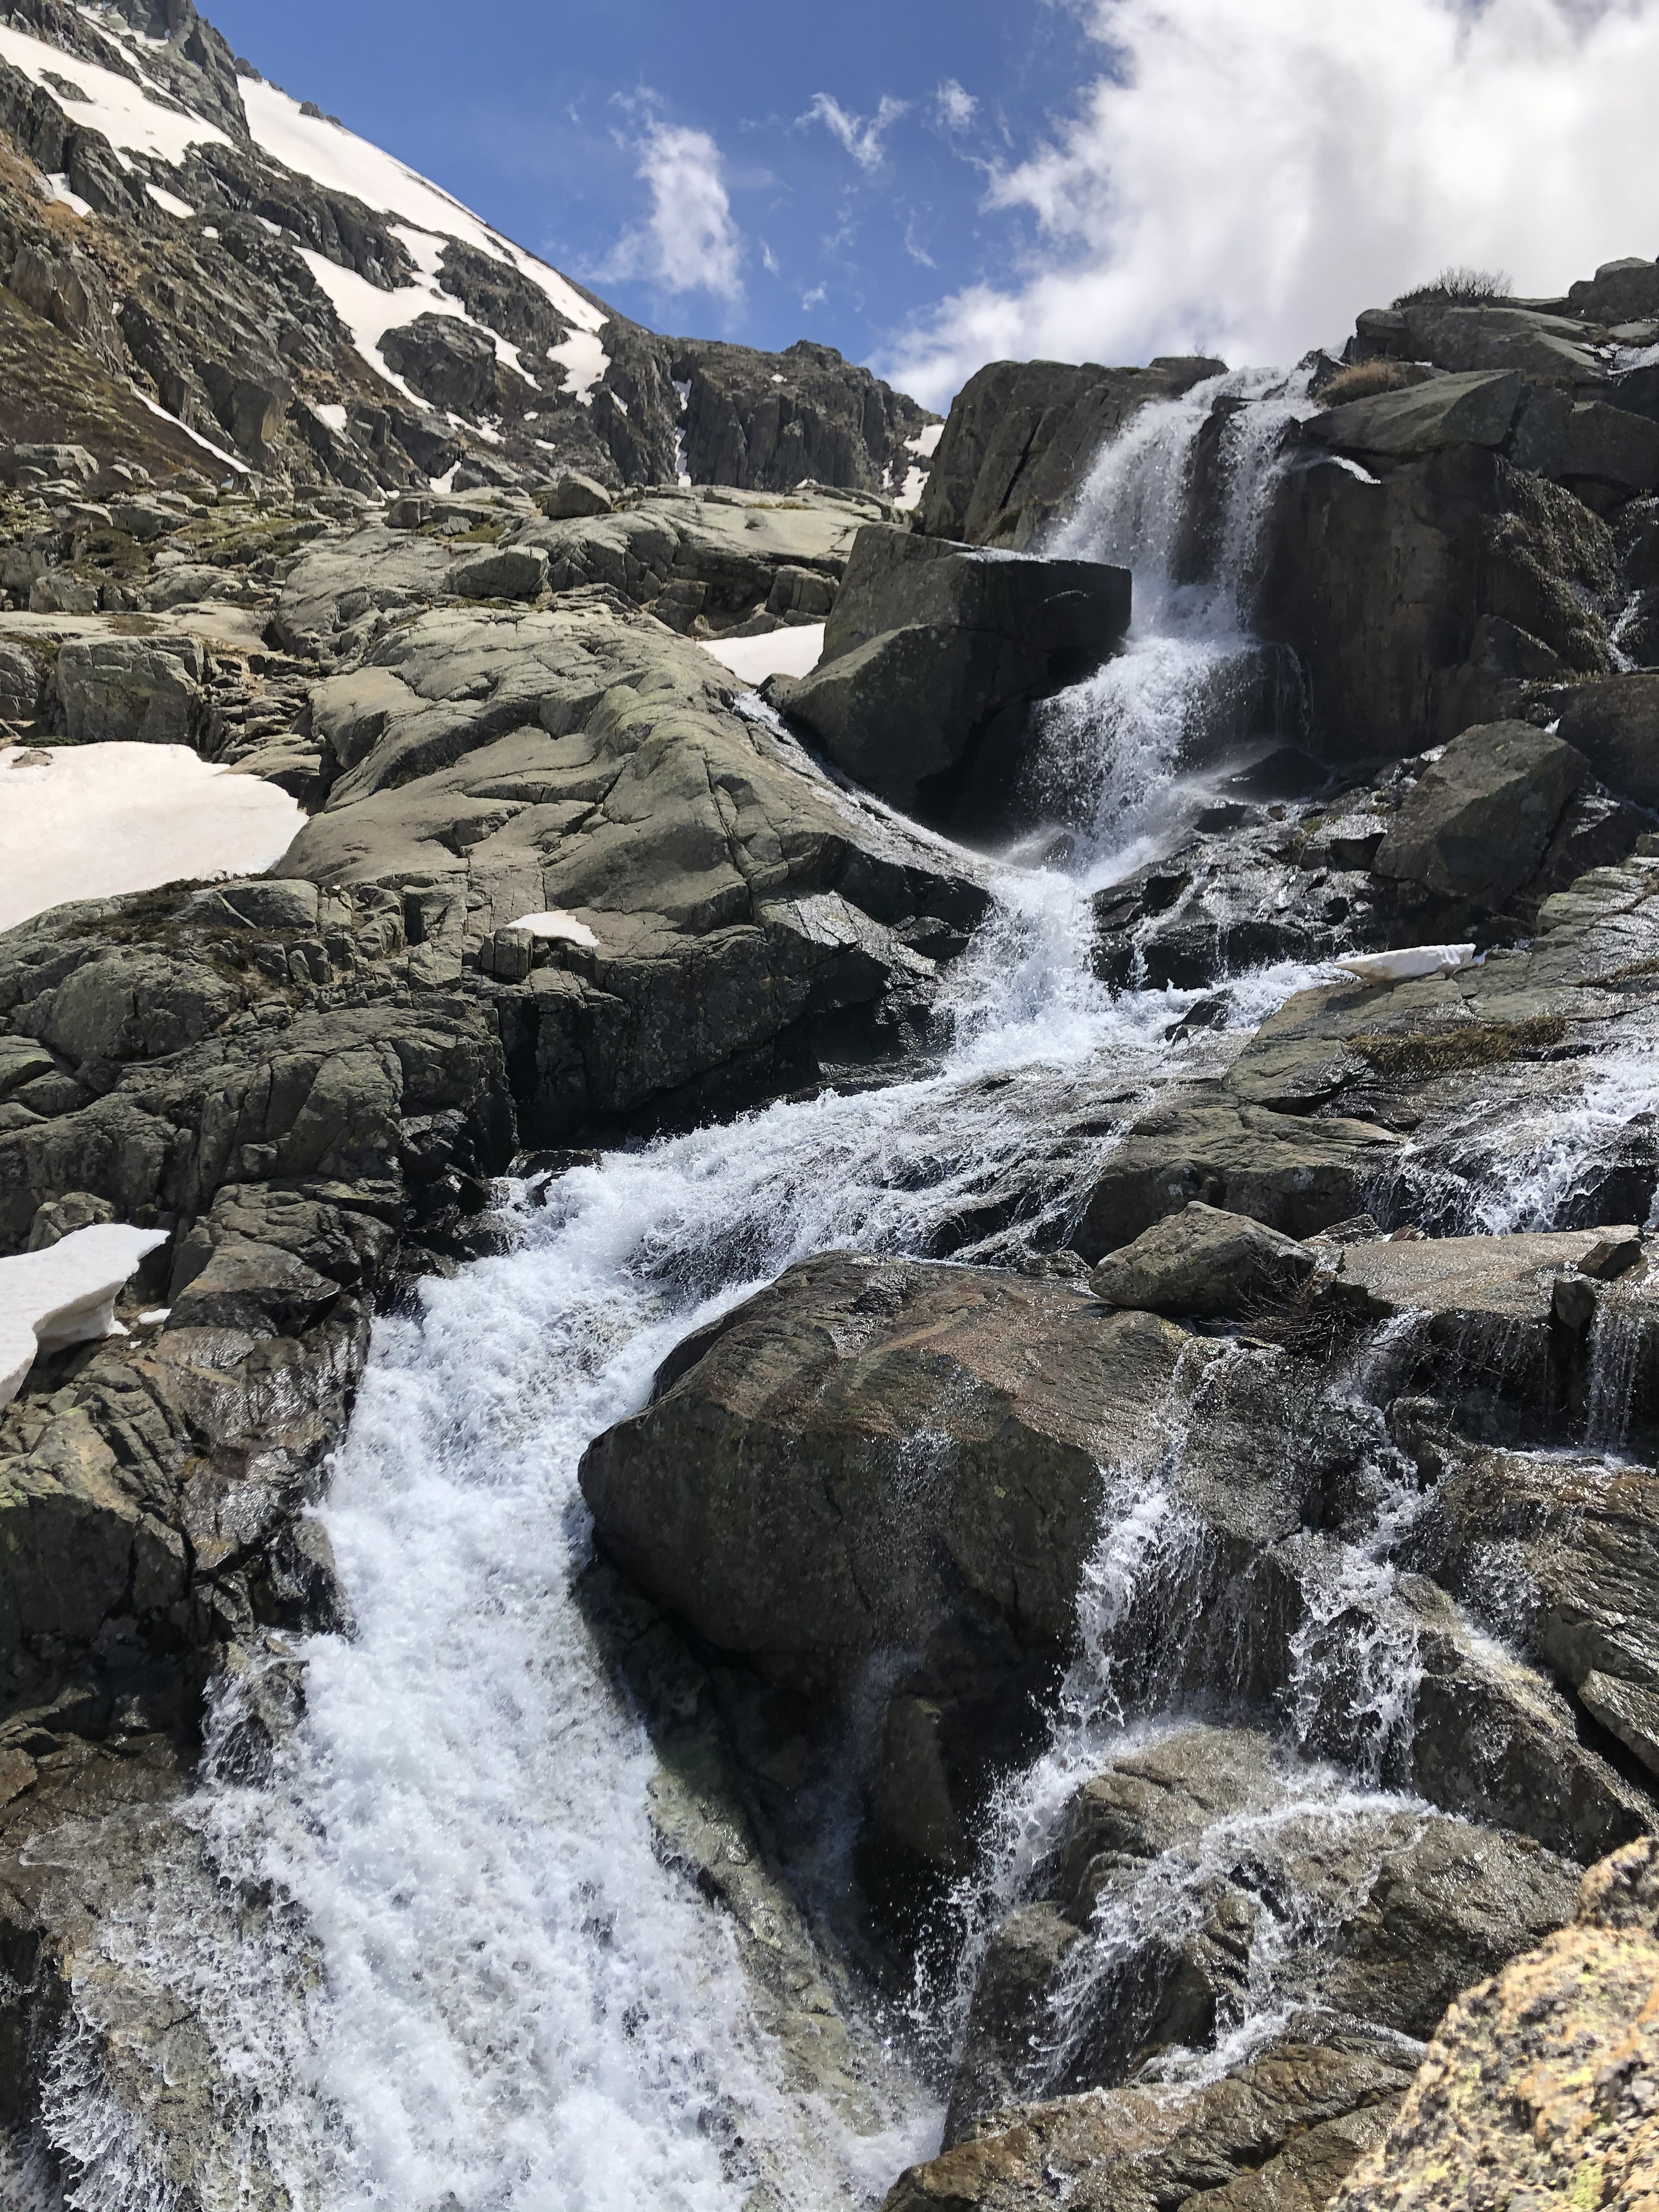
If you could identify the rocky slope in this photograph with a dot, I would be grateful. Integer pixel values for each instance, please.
(1187, 1540)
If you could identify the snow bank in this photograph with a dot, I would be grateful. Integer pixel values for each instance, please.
(100, 819)
(64, 1295)
(1405, 967)
(113, 105)
(792, 652)
(556, 925)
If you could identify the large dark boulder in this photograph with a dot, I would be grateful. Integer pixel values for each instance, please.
(1476, 825)
(888, 1455)
(1022, 436)
(1420, 604)
(1615, 725)
(933, 651)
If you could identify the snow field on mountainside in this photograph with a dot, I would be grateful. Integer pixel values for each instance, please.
(113, 105)
(79, 822)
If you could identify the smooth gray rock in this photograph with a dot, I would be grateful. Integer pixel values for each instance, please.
(122, 688)
(1465, 338)
(508, 572)
(575, 496)
(1206, 1262)
(1624, 291)
(1477, 824)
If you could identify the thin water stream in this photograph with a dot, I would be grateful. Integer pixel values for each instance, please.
(447, 1969)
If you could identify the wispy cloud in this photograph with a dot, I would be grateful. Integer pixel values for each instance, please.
(954, 107)
(689, 242)
(1243, 180)
(862, 137)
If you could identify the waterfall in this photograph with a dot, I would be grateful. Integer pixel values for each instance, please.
(440, 1952)
(1182, 690)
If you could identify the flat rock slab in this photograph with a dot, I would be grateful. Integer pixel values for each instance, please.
(1512, 1276)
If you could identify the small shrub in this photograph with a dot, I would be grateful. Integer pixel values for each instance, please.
(1365, 379)
(1461, 288)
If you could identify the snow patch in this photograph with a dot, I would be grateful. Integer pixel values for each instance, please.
(795, 651)
(173, 204)
(113, 105)
(66, 1295)
(55, 186)
(924, 445)
(98, 820)
(564, 927)
(331, 412)
(1407, 966)
(584, 361)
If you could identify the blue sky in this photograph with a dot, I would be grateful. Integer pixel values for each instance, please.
(931, 184)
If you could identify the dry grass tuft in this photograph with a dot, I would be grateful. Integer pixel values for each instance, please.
(1365, 379)
(1461, 288)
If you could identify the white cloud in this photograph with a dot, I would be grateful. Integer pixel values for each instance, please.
(1249, 178)
(815, 297)
(862, 138)
(955, 107)
(689, 242)
(769, 260)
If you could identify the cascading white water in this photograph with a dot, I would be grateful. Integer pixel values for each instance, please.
(480, 1989)
(1111, 744)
